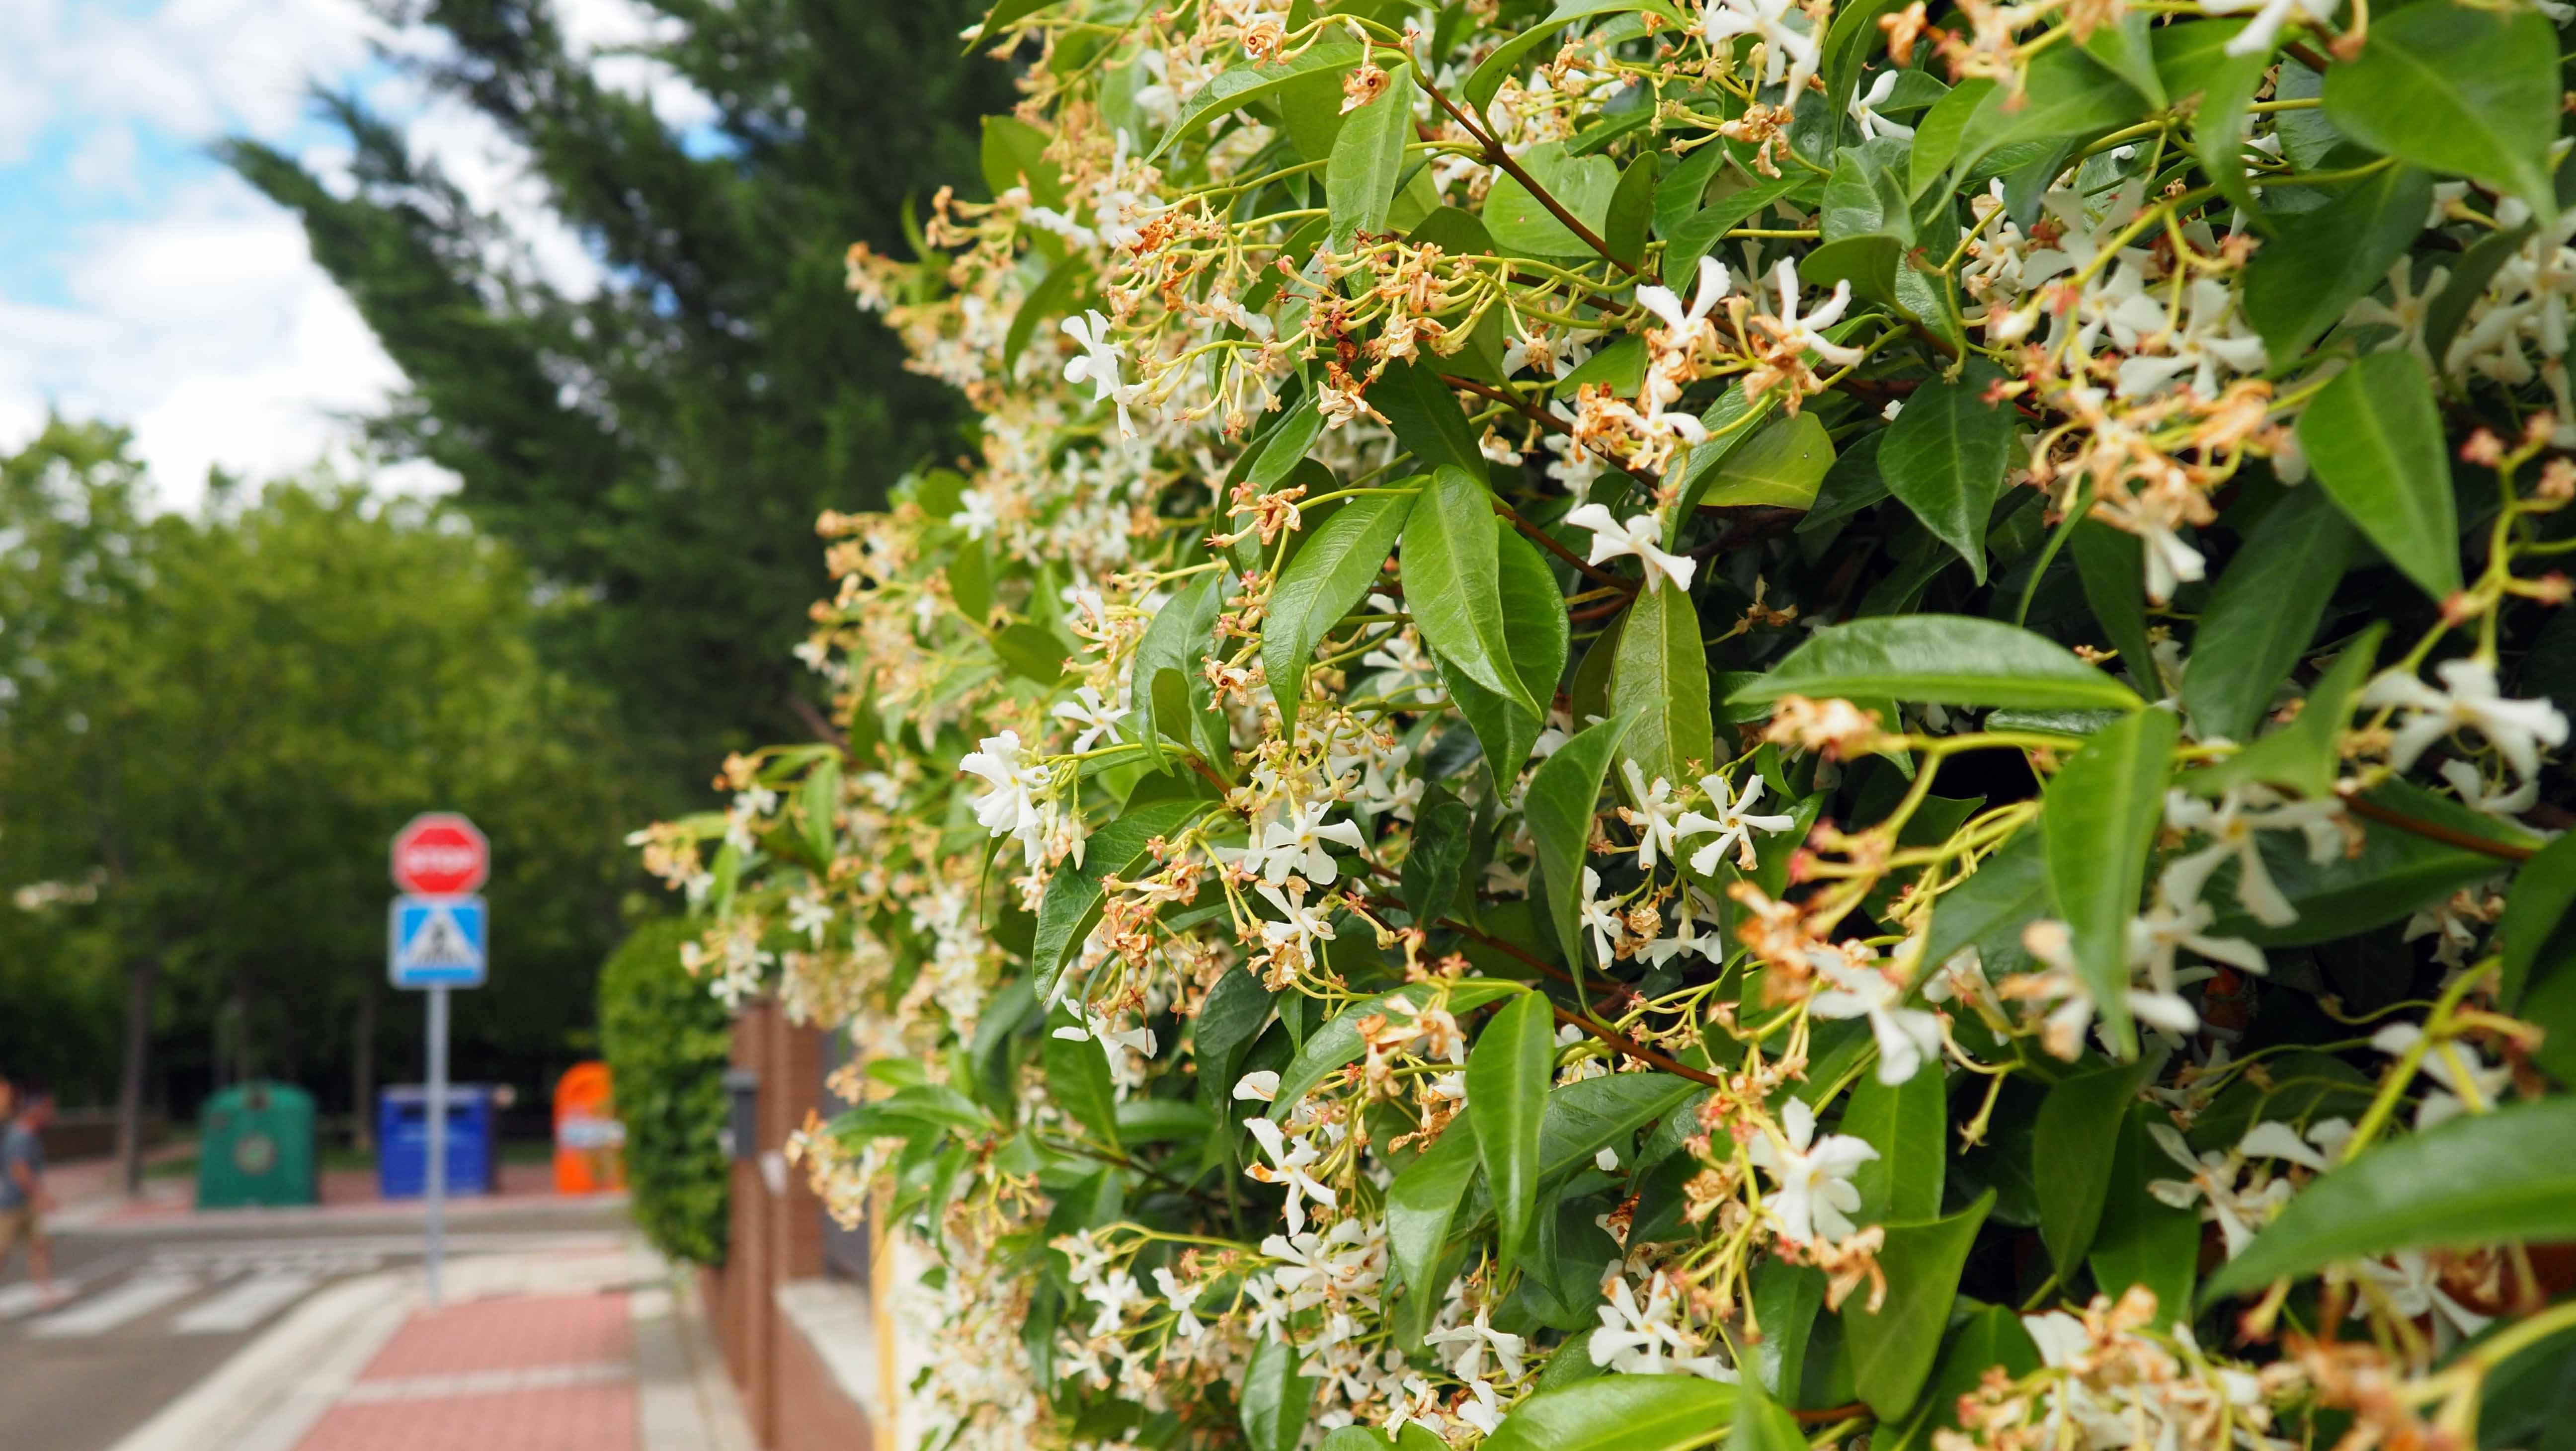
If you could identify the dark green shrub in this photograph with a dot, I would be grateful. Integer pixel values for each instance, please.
(666, 1041)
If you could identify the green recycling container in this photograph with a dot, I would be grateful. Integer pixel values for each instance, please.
(255, 1147)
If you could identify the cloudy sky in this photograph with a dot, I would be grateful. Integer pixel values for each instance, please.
(142, 283)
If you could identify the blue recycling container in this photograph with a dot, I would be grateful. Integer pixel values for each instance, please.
(402, 1141)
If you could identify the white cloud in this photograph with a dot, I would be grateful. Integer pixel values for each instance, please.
(194, 68)
(209, 330)
(105, 161)
(205, 324)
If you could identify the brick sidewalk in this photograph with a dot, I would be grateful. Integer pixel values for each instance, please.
(544, 1373)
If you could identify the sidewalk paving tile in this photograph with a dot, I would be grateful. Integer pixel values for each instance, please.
(573, 1418)
(516, 1334)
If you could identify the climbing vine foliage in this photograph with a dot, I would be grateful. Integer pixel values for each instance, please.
(1770, 725)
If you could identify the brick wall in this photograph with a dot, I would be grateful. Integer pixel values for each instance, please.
(791, 1394)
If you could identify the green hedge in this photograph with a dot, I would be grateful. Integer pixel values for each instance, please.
(667, 1040)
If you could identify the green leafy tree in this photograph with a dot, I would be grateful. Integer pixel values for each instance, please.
(211, 734)
(664, 443)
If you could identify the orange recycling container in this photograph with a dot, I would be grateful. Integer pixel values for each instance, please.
(590, 1144)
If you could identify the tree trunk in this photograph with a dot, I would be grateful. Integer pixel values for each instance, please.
(142, 979)
(362, 1070)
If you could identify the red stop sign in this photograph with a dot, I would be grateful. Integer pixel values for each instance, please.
(440, 854)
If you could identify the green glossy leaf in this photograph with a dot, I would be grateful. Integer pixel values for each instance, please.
(1368, 160)
(2077, 1129)
(1053, 296)
(2487, 1178)
(1619, 1413)
(1242, 85)
(1536, 632)
(1032, 651)
(1228, 1021)
(1452, 582)
(1990, 1337)
(2374, 439)
(2263, 613)
(1331, 572)
(1660, 676)
(2534, 933)
(1426, 416)
(1169, 693)
(1761, 1423)
(1621, 365)
(1559, 808)
(2321, 262)
(1631, 207)
(1945, 457)
(1077, 1077)
(1163, 1121)
(1507, 57)
(1507, 1079)
(2068, 95)
(1002, 17)
(1585, 1115)
(1938, 135)
(1443, 830)
(1286, 446)
(1681, 187)
(1423, 1201)
(1276, 1398)
(1013, 153)
(1786, 1301)
(1522, 225)
(2110, 565)
(1780, 464)
(1868, 262)
(1338, 1043)
(1692, 238)
(2461, 90)
(1072, 903)
(1862, 196)
(2141, 1239)
(2101, 815)
(2125, 48)
(2009, 889)
(2226, 84)
(2302, 756)
(1945, 659)
(1908, 1124)
(1892, 1351)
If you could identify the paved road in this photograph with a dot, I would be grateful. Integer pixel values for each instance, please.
(155, 1308)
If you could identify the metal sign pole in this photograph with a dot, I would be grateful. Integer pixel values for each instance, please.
(437, 1106)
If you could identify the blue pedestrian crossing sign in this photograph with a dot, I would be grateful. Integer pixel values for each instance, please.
(437, 942)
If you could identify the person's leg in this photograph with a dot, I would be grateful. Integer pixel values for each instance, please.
(40, 1256)
(11, 1221)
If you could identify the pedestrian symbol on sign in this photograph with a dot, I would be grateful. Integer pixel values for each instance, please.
(437, 942)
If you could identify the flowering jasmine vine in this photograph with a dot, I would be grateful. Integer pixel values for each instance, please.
(1632, 541)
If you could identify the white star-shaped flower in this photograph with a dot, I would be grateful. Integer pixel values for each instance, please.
(1734, 822)
(1640, 536)
(1815, 1197)
(1906, 1036)
(1296, 844)
(2518, 729)
(1789, 53)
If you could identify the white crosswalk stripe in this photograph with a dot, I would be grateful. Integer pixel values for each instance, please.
(18, 1299)
(245, 1304)
(134, 1299)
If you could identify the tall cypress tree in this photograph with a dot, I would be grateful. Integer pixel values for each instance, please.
(663, 446)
